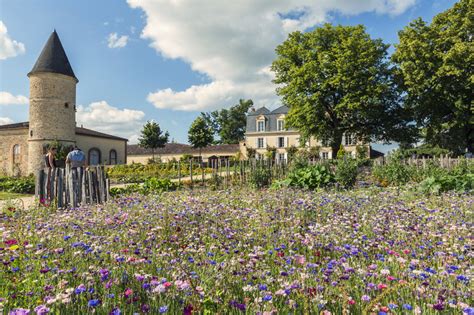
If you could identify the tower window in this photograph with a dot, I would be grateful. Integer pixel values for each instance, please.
(66, 105)
(31, 133)
(16, 154)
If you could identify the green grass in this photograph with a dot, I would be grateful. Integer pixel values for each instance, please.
(8, 195)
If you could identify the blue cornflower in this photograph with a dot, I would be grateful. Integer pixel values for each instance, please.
(190, 259)
(462, 278)
(67, 237)
(408, 307)
(115, 311)
(267, 297)
(468, 310)
(93, 303)
(262, 287)
(392, 306)
(163, 309)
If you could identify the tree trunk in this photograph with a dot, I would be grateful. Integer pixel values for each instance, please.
(336, 144)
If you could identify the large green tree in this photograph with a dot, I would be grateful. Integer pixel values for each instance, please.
(435, 67)
(229, 124)
(337, 80)
(200, 134)
(152, 137)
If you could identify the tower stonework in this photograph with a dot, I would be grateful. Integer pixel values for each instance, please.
(52, 112)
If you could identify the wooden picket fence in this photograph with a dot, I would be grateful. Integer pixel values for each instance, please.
(443, 161)
(71, 187)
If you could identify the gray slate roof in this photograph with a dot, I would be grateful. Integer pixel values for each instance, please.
(53, 58)
(271, 118)
(79, 131)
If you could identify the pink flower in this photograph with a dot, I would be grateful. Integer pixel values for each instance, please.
(351, 302)
(382, 286)
(300, 260)
(128, 292)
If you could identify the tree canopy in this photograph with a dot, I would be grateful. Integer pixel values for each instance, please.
(229, 124)
(200, 134)
(435, 65)
(152, 137)
(337, 80)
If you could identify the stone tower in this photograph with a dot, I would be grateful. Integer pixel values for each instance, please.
(52, 102)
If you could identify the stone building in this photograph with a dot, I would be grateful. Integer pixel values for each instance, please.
(52, 119)
(266, 129)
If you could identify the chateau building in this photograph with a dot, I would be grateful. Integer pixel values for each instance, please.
(52, 119)
(267, 128)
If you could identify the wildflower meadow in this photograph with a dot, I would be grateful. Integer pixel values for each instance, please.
(367, 251)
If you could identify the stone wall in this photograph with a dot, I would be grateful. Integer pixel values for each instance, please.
(8, 139)
(86, 143)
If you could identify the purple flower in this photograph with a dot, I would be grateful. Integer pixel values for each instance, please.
(115, 311)
(365, 298)
(19, 311)
(267, 297)
(262, 287)
(41, 310)
(407, 307)
(468, 311)
(163, 309)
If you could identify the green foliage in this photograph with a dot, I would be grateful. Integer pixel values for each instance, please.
(260, 177)
(21, 185)
(251, 152)
(291, 152)
(438, 184)
(152, 137)
(341, 153)
(333, 76)
(156, 185)
(186, 157)
(435, 63)
(229, 124)
(310, 177)
(137, 172)
(346, 172)
(394, 173)
(61, 149)
(271, 153)
(362, 152)
(150, 186)
(200, 133)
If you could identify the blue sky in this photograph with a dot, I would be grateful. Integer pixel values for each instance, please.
(165, 60)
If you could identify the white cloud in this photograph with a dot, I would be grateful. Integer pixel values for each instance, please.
(5, 121)
(9, 47)
(233, 43)
(101, 116)
(10, 99)
(116, 41)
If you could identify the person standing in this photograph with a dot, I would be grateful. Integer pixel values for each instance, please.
(76, 160)
(50, 163)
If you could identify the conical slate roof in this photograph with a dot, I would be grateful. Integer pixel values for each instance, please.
(53, 58)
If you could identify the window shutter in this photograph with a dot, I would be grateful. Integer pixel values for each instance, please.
(264, 142)
(256, 142)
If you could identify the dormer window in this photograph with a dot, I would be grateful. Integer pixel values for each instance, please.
(260, 125)
(280, 125)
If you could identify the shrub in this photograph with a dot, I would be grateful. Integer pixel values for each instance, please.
(260, 177)
(20, 185)
(439, 184)
(310, 177)
(394, 173)
(156, 185)
(346, 172)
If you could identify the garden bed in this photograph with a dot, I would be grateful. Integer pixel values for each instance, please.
(282, 251)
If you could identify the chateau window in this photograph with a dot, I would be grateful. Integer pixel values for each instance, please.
(16, 154)
(261, 125)
(281, 157)
(113, 157)
(325, 155)
(281, 142)
(280, 125)
(94, 156)
(260, 143)
(348, 139)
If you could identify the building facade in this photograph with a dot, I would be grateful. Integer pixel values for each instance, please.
(52, 119)
(266, 129)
